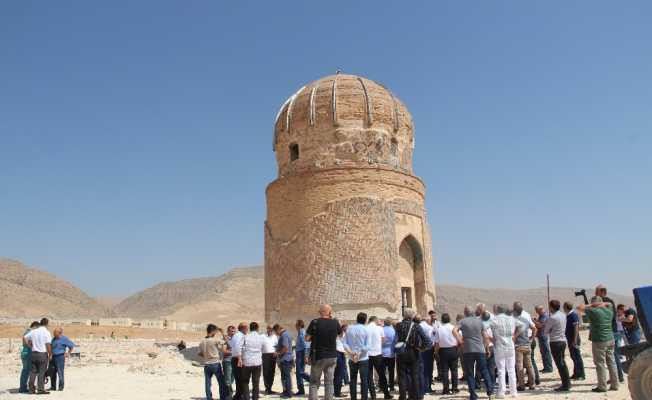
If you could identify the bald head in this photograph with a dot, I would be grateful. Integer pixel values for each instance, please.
(468, 311)
(325, 311)
(58, 331)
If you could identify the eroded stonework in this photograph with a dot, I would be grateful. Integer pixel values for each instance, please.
(346, 223)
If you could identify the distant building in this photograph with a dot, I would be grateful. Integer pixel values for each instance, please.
(71, 321)
(125, 322)
(150, 323)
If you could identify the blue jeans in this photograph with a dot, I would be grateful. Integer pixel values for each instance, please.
(546, 355)
(479, 361)
(633, 337)
(619, 365)
(533, 346)
(340, 373)
(491, 367)
(286, 377)
(24, 374)
(59, 365)
(301, 370)
(363, 368)
(228, 375)
(209, 371)
(578, 362)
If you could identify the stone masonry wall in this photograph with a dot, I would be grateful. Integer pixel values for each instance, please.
(346, 252)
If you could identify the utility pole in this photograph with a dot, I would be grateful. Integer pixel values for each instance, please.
(548, 287)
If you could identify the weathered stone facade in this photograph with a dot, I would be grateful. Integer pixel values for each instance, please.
(346, 223)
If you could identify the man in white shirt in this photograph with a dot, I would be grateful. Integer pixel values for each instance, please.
(269, 359)
(376, 337)
(427, 358)
(504, 329)
(446, 345)
(40, 341)
(250, 360)
(234, 344)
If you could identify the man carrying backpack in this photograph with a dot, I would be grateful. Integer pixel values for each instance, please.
(409, 339)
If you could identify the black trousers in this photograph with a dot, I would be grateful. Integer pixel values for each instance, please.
(237, 377)
(376, 363)
(269, 369)
(253, 374)
(558, 350)
(363, 368)
(408, 375)
(389, 365)
(448, 357)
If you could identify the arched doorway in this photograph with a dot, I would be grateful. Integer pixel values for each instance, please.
(411, 274)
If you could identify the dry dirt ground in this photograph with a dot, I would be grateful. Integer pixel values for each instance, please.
(99, 332)
(142, 369)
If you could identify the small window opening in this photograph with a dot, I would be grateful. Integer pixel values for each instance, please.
(294, 152)
(394, 148)
(406, 297)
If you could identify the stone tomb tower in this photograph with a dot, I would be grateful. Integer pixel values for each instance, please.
(346, 223)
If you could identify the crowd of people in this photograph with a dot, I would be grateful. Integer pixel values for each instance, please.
(495, 350)
(44, 357)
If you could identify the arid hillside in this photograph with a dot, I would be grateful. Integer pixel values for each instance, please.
(238, 295)
(29, 292)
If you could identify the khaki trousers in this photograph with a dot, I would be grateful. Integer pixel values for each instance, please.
(523, 360)
(603, 357)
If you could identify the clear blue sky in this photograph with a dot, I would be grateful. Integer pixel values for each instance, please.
(135, 137)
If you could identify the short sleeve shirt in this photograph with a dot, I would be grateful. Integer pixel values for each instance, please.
(503, 328)
(61, 344)
(40, 338)
(523, 338)
(210, 350)
(472, 329)
(323, 334)
(572, 320)
(555, 327)
(285, 341)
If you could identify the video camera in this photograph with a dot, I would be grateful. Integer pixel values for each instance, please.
(583, 294)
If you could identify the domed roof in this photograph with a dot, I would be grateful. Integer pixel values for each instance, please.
(341, 99)
(343, 120)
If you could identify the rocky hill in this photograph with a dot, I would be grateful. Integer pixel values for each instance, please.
(230, 297)
(238, 295)
(29, 292)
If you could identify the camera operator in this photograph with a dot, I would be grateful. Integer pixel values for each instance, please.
(601, 291)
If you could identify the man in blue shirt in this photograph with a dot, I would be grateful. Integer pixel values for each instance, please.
(26, 358)
(544, 343)
(60, 344)
(356, 346)
(572, 332)
(284, 354)
(300, 350)
(389, 358)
